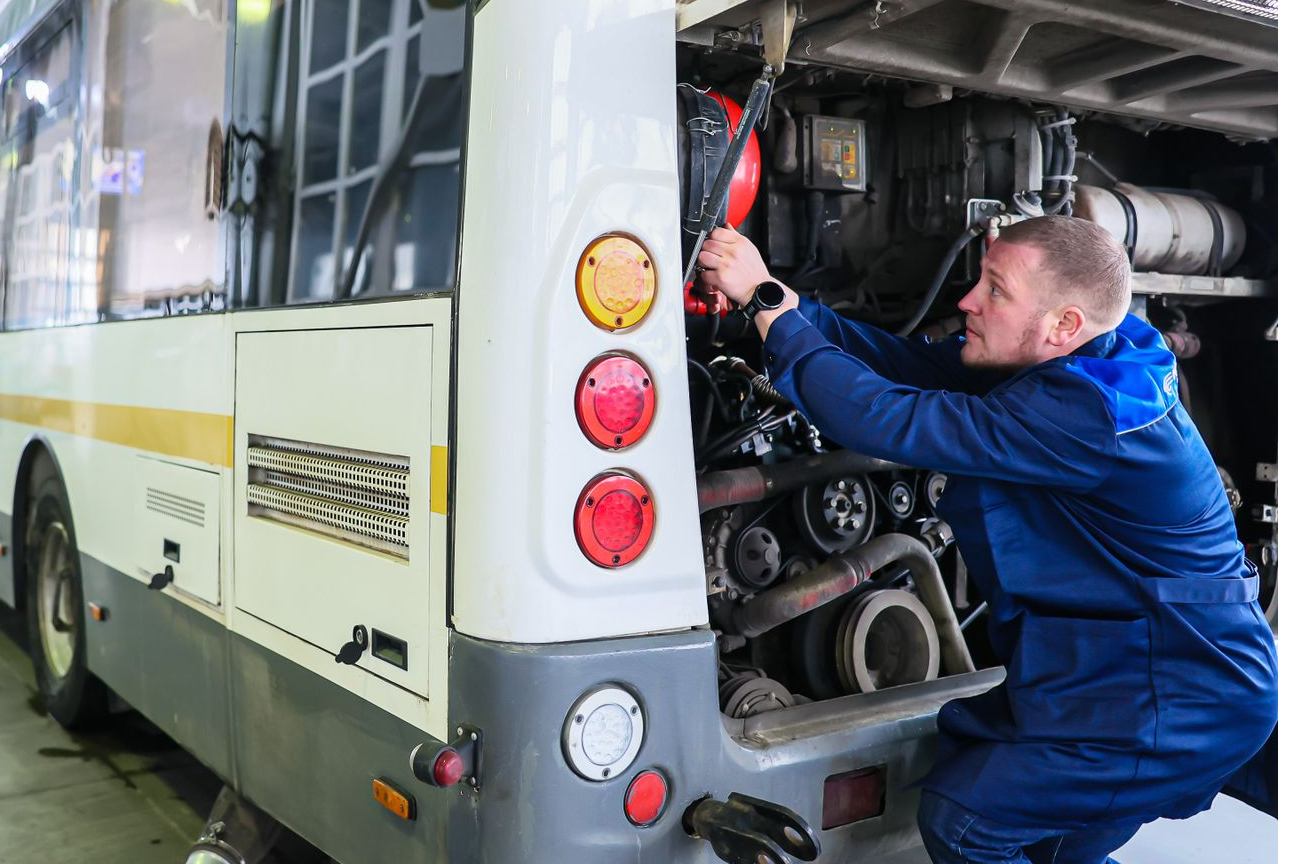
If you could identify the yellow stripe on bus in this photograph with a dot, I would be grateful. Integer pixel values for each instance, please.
(440, 479)
(187, 434)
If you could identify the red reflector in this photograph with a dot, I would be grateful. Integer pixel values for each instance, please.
(448, 768)
(614, 402)
(853, 796)
(614, 519)
(646, 798)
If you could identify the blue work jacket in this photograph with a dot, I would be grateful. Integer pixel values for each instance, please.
(1140, 670)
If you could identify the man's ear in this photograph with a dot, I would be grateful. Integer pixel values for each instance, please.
(1069, 326)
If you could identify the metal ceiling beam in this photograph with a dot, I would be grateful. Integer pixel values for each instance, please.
(1160, 23)
(1173, 77)
(1107, 60)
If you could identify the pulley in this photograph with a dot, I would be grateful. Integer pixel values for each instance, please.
(886, 638)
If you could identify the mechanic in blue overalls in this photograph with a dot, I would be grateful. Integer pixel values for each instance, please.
(1141, 673)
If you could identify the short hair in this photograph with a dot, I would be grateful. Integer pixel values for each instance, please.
(1090, 267)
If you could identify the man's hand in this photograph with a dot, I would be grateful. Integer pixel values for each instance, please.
(729, 264)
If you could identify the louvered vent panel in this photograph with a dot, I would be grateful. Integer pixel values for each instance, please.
(351, 495)
(176, 506)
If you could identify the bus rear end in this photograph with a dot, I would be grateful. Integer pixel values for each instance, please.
(685, 624)
(593, 643)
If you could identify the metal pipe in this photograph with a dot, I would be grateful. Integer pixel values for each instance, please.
(747, 485)
(838, 576)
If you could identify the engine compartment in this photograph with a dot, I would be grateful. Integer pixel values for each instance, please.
(831, 573)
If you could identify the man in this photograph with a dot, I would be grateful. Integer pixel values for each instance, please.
(1140, 671)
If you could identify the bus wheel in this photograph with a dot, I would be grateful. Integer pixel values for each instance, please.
(55, 616)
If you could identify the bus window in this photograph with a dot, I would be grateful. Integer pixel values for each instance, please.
(157, 167)
(36, 184)
(356, 96)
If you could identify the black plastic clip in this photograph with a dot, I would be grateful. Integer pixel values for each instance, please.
(161, 580)
(353, 650)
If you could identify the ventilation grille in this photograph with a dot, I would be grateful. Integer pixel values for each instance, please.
(176, 506)
(351, 495)
(1265, 10)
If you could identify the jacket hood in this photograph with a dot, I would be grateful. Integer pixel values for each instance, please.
(1133, 370)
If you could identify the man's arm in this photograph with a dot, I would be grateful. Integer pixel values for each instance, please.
(732, 265)
(1052, 430)
(917, 363)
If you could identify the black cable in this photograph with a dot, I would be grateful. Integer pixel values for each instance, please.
(748, 388)
(713, 327)
(695, 366)
(735, 436)
(939, 279)
(1065, 168)
(815, 211)
(763, 423)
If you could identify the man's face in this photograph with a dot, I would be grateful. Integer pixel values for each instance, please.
(1007, 320)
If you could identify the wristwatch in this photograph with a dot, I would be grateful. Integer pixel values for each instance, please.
(767, 296)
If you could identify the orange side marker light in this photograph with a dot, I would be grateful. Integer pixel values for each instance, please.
(393, 799)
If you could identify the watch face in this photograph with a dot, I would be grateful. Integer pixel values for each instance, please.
(769, 295)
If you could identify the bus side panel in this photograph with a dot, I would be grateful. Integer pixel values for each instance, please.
(167, 660)
(298, 745)
(308, 752)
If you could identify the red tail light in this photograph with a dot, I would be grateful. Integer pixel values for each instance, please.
(645, 798)
(853, 796)
(614, 519)
(614, 403)
(448, 768)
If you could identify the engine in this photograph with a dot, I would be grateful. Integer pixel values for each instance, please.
(830, 573)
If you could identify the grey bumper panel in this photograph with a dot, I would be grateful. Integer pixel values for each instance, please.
(533, 808)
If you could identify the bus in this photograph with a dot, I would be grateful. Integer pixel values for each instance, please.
(359, 426)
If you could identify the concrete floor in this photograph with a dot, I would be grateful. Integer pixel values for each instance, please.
(132, 792)
(128, 795)
(123, 795)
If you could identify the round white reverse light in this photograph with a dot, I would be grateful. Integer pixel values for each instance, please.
(603, 733)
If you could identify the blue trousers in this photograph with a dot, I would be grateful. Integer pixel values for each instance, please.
(954, 834)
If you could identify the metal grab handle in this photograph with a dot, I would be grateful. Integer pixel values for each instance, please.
(746, 830)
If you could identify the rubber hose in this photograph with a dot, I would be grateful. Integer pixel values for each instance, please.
(939, 279)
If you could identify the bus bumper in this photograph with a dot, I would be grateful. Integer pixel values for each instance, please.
(530, 806)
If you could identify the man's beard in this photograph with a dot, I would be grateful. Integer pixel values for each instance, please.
(995, 365)
(1022, 360)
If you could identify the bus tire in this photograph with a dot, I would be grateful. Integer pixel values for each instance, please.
(56, 635)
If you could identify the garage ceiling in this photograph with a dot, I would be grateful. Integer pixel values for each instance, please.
(1210, 64)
